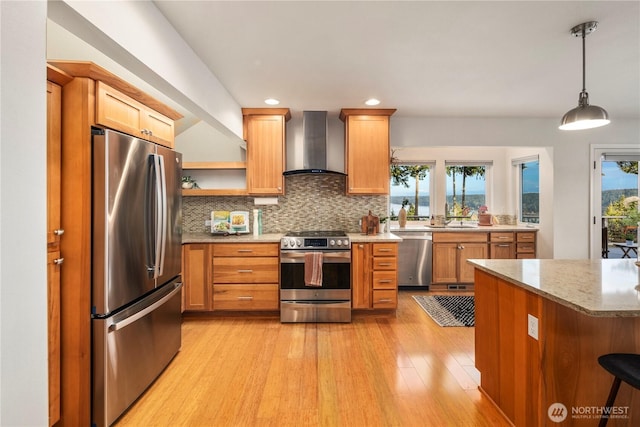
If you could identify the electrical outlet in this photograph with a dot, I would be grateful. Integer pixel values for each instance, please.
(532, 326)
(207, 223)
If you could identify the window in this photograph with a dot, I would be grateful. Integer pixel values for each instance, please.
(529, 190)
(410, 185)
(466, 188)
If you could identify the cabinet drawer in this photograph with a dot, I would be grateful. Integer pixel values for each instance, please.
(501, 237)
(385, 298)
(385, 263)
(246, 297)
(385, 280)
(526, 248)
(245, 249)
(526, 237)
(240, 270)
(459, 237)
(385, 249)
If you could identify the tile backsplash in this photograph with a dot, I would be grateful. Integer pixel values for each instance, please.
(311, 202)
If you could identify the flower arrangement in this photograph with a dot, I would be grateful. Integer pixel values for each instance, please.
(483, 209)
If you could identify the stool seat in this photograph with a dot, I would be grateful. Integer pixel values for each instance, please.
(624, 366)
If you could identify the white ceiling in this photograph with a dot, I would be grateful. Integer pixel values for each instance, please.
(425, 58)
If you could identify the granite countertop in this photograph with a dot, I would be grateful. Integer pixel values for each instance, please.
(605, 288)
(380, 237)
(275, 238)
(231, 238)
(483, 229)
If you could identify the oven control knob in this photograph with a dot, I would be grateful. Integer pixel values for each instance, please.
(339, 242)
(298, 242)
(333, 242)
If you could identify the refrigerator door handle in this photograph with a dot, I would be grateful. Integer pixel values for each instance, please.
(139, 315)
(160, 215)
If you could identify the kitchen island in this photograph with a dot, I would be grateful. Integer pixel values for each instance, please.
(540, 327)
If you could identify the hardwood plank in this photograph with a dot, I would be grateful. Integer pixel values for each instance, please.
(379, 370)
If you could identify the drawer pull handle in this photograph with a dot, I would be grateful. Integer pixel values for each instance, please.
(245, 271)
(384, 264)
(245, 250)
(503, 246)
(384, 281)
(503, 237)
(384, 250)
(385, 300)
(247, 298)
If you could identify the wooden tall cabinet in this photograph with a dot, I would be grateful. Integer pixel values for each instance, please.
(367, 150)
(265, 132)
(79, 113)
(55, 233)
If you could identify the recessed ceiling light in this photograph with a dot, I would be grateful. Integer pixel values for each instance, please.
(372, 102)
(271, 101)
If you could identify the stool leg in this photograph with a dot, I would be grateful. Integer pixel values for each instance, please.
(612, 397)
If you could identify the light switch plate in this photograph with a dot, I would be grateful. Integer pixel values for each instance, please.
(532, 326)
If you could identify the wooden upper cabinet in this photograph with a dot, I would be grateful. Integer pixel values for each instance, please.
(265, 133)
(118, 111)
(367, 150)
(54, 135)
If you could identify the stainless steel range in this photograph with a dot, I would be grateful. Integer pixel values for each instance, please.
(327, 301)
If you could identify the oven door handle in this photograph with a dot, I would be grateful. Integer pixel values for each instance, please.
(327, 257)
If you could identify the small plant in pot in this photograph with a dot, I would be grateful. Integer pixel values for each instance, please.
(629, 236)
(188, 182)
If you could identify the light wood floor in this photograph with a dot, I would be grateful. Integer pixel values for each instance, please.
(386, 370)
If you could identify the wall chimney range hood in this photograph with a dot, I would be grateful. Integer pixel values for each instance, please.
(314, 145)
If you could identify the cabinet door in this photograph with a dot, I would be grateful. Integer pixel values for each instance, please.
(445, 262)
(469, 251)
(361, 275)
(161, 128)
(367, 148)
(265, 137)
(54, 135)
(117, 111)
(53, 326)
(196, 262)
(503, 251)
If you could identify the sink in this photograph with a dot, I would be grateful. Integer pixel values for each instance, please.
(457, 225)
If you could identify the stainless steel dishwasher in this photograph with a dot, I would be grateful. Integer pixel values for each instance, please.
(414, 258)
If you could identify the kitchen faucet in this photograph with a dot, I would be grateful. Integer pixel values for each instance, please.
(448, 219)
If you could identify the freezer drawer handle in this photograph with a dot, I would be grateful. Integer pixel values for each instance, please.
(139, 315)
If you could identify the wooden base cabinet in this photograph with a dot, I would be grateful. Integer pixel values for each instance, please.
(502, 245)
(374, 275)
(450, 254)
(196, 277)
(526, 244)
(246, 276)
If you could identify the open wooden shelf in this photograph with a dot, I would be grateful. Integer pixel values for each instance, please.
(215, 192)
(214, 165)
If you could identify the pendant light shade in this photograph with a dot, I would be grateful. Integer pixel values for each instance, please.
(584, 116)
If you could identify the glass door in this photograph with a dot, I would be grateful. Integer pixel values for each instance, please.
(615, 202)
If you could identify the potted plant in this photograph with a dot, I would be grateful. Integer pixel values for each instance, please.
(629, 235)
(188, 182)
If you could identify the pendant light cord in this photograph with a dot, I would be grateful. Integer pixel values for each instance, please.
(584, 34)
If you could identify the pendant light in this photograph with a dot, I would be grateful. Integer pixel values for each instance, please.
(584, 116)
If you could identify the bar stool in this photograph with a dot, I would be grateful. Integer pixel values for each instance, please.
(624, 367)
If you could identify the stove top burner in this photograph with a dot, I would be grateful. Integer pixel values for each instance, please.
(315, 240)
(316, 233)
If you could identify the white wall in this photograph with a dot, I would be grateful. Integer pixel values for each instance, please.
(23, 258)
(570, 158)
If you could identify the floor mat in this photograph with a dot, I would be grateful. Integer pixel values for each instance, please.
(449, 310)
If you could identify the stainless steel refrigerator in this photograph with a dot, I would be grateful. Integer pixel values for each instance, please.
(136, 252)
